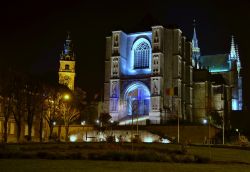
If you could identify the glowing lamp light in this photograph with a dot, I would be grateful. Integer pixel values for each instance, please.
(148, 139)
(204, 121)
(73, 138)
(237, 130)
(66, 97)
(54, 123)
(97, 121)
(165, 141)
(83, 123)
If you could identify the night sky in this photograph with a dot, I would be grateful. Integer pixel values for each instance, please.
(33, 34)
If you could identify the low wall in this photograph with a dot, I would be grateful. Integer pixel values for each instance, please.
(151, 133)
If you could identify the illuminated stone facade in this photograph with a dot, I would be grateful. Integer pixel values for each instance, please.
(141, 72)
(67, 66)
(217, 82)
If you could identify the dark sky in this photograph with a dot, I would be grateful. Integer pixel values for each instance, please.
(33, 34)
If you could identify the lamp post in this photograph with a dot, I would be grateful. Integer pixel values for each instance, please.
(83, 123)
(66, 98)
(97, 121)
(223, 130)
(207, 121)
(54, 123)
(237, 130)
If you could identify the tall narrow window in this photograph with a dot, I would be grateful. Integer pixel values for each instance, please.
(66, 67)
(142, 56)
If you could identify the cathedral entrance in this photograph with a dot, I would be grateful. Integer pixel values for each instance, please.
(137, 99)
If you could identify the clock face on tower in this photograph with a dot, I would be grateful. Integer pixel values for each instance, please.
(66, 79)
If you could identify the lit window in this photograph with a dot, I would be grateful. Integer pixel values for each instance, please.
(141, 56)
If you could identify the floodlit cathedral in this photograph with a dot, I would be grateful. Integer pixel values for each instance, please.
(148, 76)
(155, 76)
(67, 65)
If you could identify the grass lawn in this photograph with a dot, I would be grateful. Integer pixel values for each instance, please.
(37, 165)
(222, 159)
(222, 154)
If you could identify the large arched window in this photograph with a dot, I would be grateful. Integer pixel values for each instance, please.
(142, 53)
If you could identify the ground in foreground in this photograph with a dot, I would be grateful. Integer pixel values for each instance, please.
(38, 165)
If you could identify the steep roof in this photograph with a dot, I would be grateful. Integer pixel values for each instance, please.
(215, 63)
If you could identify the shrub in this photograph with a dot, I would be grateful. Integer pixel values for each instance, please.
(201, 159)
(42, 155)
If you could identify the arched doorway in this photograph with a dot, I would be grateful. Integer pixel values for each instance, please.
(137, 99)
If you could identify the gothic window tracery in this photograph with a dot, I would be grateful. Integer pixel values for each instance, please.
(141, 56)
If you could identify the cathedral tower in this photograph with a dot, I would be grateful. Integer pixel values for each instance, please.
(196, 49)
(67, 65)
(235, 63)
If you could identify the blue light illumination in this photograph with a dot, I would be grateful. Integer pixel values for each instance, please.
(136, 53)
(235, 105)
(137, 98)
(148, 139)
(142, 52)
(129, 121)
(219, 70)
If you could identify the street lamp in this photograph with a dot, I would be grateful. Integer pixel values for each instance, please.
(54, 123)
(237, 130)
(207, 121)
(97, 121)
(204, 121)
(66, 97)
(83, 123)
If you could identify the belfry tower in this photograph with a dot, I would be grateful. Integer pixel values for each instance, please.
(67, 65)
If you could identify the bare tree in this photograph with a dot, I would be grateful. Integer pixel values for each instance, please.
(6, 89)
(51, 106)
(69, 113)
(34, 99)
(18, 103)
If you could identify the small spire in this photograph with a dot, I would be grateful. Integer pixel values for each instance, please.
(67, 50)
(194, 40)
(196, 49)
(68, 35)
(233, 55)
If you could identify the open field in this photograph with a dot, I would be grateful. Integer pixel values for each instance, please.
(37, 165)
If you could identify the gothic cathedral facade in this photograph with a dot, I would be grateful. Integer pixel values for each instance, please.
(148, 76)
